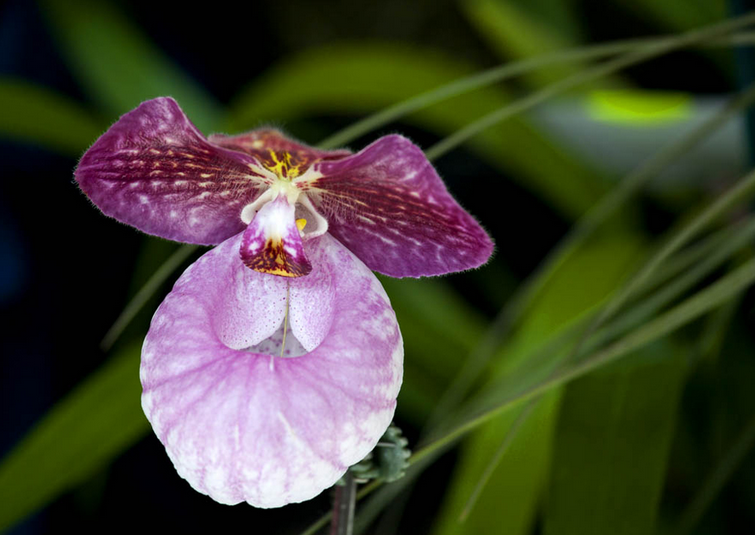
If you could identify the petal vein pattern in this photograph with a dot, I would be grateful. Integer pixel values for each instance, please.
(388, 205)
(154, 170)
(243, 425)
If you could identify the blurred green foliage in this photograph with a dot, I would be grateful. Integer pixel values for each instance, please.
(594, 452)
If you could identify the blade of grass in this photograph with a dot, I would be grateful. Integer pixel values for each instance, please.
(351, 79)
(692, 308)
(513, 30)
(739, 193)
(688, 257)
(496, 459)
(697, 305)
(498, 74)
(583, 229)
(514, 489)
(631, 58)
(683, 313)
(674, 315)
(738, 237)
(144, 294)
(646, 308)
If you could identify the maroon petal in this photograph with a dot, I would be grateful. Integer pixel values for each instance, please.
(154, 170)
(388, 205)
(266, 144)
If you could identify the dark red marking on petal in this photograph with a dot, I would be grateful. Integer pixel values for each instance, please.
(388, 205)
(154, 170)
(274, 260)
(272, 242)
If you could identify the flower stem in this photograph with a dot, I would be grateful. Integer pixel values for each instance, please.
(343, 507)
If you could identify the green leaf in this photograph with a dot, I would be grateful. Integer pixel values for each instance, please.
(351, 79)
(508, 502)
(37, 115)
(438, 328)
(519, 386)
(438, 308)
(118, 66)
(612, 445)
(83, 432)
(514, 31)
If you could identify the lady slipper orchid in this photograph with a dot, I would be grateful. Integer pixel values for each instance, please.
(275, 362)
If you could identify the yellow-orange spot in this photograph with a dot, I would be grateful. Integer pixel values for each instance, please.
(280, 272)
(301, 223)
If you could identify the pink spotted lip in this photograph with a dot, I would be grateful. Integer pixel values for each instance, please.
(154, 170)
(239, 422)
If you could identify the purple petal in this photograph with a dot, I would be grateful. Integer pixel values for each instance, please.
(388, 205)
(261, 142)
(245, 426)
(154, 170)
(272, 243)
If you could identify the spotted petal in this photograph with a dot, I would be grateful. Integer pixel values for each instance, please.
(247, 425)
(388, 205)
(154, 170)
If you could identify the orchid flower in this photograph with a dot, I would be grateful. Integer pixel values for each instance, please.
(275, 362)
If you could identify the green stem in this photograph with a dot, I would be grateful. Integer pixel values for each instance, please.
(343, 507)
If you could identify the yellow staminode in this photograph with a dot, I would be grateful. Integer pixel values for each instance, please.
(301, 223)
(283, 167)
